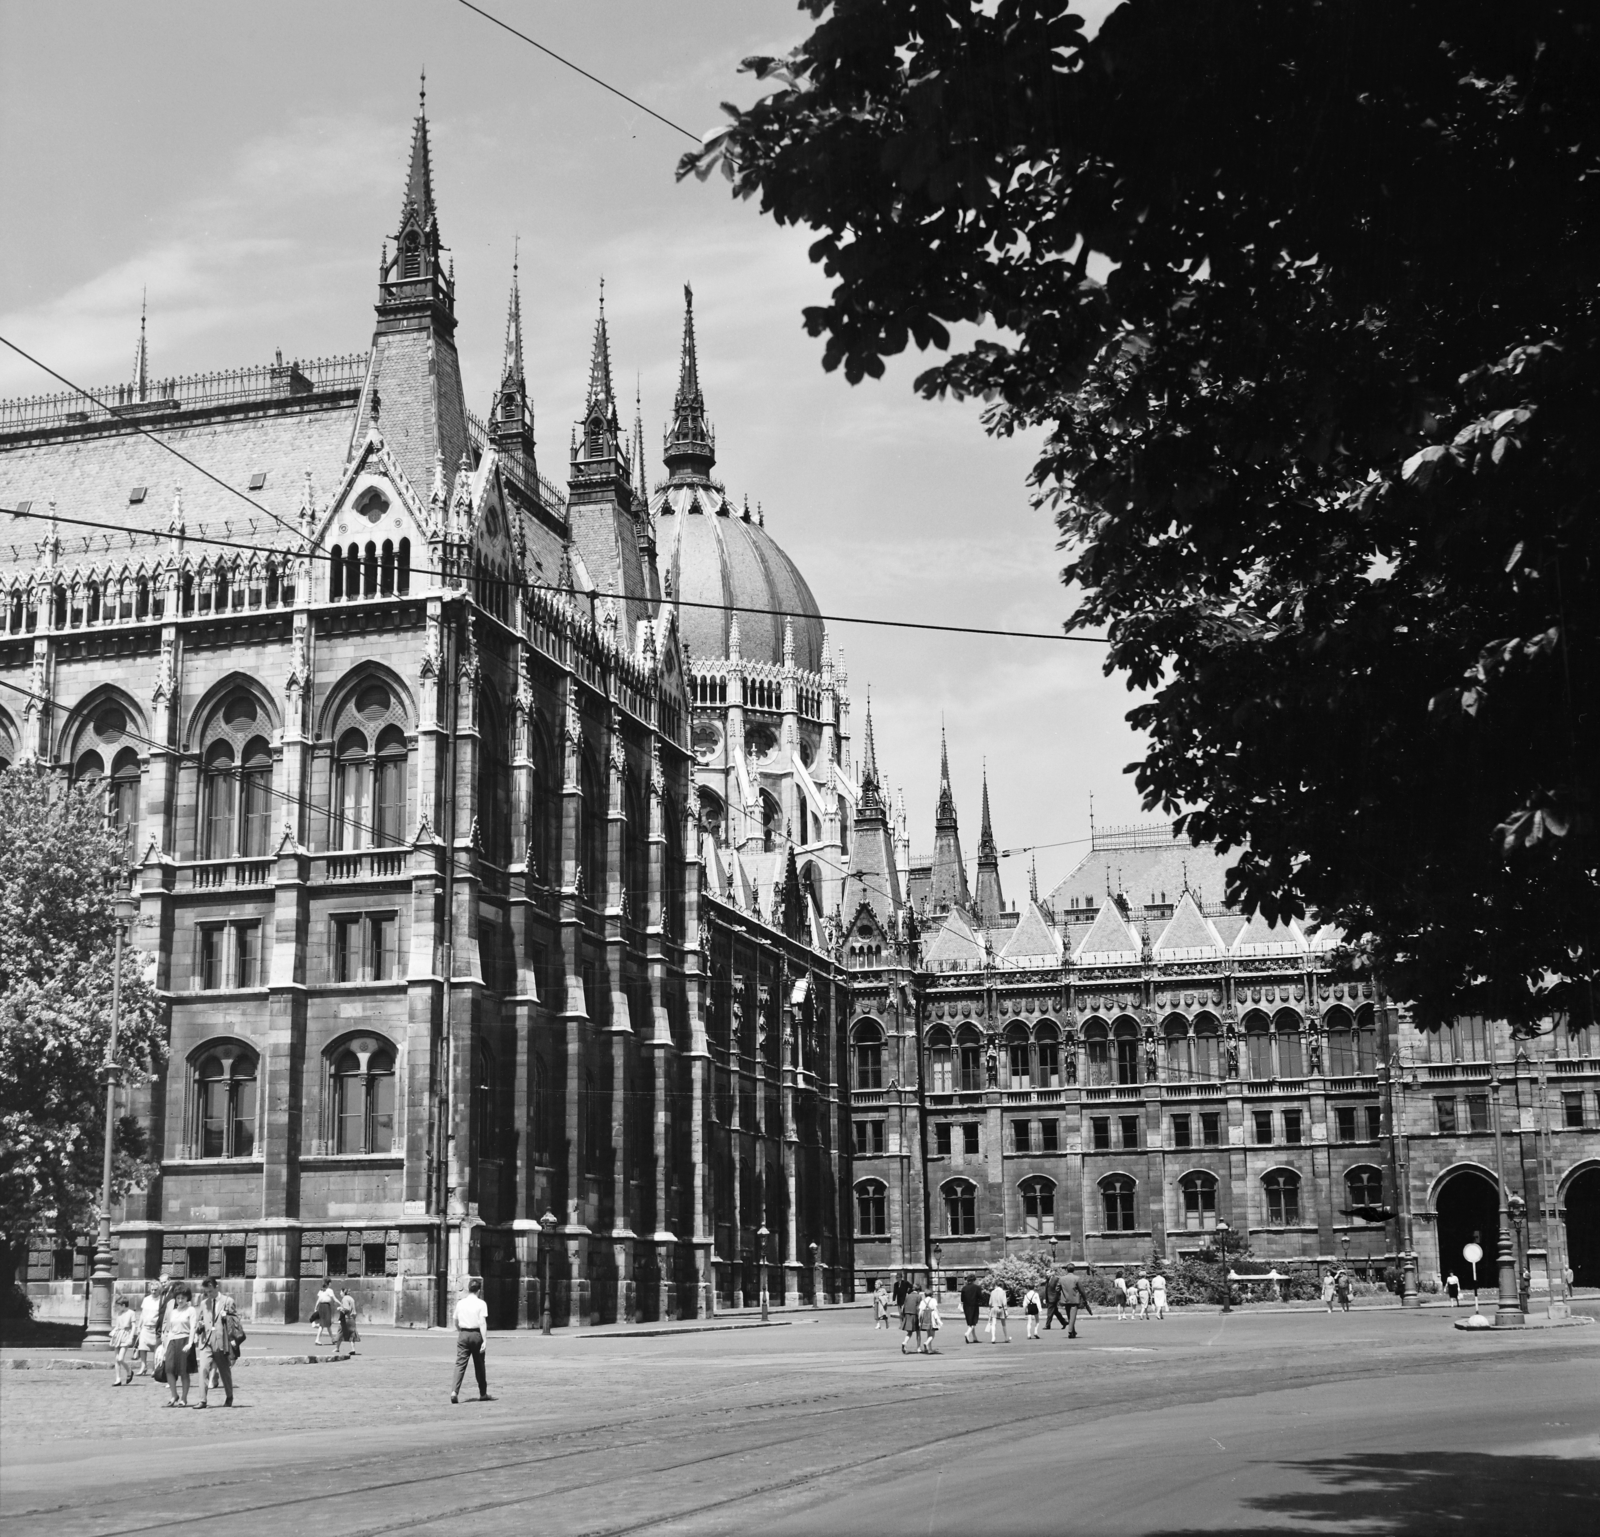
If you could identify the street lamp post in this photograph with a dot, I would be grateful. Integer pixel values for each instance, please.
(816, 1278)
(1517, 1209)
(761, 1265)
(1227, 1291)
(547, 1230)
(103, 1282)
(938, 1266)
(1507, 1312)
(1344, 1241)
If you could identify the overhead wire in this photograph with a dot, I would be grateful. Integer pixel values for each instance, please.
(320, 550)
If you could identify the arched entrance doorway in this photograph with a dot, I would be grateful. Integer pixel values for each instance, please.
(1468, 1207)
(1583, 1228)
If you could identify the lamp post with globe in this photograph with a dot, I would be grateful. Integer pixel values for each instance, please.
(761, 1265)
(1222, 1242)
(547, 1230)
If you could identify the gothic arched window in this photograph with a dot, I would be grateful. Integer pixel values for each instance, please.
(1179, 1060)
(1341, 1053)
(1207, 1053)
(1282, 1187)
(969, 1051)
(364, 1097)
(940, 1066)
(411, 257)
(1258, 1045)
(1097, 1043)
(106, 740)
(872, 1209)
(1017, 1063)
(236, 782)
(1125, 1037)
(1038, 1205)
(1291, 1056)
(1048, 1046)
(1199, 1200)
(1116, 1195)
(224, 1112)
(370, 762)
(868, 1052)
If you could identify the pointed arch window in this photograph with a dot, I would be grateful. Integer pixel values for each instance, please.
(411, 257)
(1341, 1054)
(364, 1098)
(352, 780)
(868, 1051)
(107, 733)
(1125, 1038)
(1207, 1048)
(969, 1053)
(1179, 1058)
(1097, 1045)
(371, 758)
(219, 796)
(1018, 1065)
(769, 822)
(1258, 1046)
(941, 1074)
(1291, 1055)
(1049, 1055)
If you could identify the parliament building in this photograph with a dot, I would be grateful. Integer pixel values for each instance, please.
(523, 905)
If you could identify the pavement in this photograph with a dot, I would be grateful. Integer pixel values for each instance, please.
(1374, 1422)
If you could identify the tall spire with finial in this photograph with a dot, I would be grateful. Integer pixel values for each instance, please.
(947, 885)
(141, 354)
(511, 417)
(873, 876)
(597, 448)
(989, 900)
(691, 447)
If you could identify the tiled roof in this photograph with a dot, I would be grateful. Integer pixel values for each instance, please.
(954, 941)
(1109, 940)
(1187, 936)
(92, 477)
(1033, 938)
(1259, 937)
(1145, 875)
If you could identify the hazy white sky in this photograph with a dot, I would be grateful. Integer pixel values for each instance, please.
(243, 162)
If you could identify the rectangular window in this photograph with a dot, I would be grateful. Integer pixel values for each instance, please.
(1477, 1112)
(941, 1139)
(1100, 1132)
(1049, 1065)
(1181, 1133)
(247, 955)
(213, 942)
(1345, 1122)
(1021, 1140)
(1291, 1127)
(337, 1256)
(383, 945)
(1263, 1120)
(1374, 1122)
(374, 1259)
(198, 1262)
(1444, 1115)
(1211, 1128)
(1572, 1111)
(1049, 1136)
(868, 1138)
(233, 1266)
(1130, 1130)
(346, 949)
(1017, 1062)
(969, 1138)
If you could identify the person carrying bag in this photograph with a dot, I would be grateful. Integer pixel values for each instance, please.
(213, 1341)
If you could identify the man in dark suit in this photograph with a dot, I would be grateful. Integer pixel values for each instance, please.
(1074, 1297)
(1052, 1301)
(971, 1305)
(899, 1289)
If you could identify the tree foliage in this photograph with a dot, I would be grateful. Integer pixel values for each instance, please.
(57, 862)
(1305, 293)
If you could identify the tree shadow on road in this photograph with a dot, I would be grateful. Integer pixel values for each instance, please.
(1418, 1494)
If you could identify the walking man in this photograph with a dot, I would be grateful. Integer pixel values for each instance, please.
(911, 1317)
(213, 1341)
(1052, 1300)
(899, 1289)
(472, 1328)
(971, 1302)
(1074, 1297)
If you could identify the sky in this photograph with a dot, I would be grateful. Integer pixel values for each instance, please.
(242, 164)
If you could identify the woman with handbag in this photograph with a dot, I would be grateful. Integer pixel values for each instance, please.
(213, 1341)
(178, 1345)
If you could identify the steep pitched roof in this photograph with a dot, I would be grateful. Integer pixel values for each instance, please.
(1258, 937)
(1034, 938)
(1110, 941)
(1188, 936)
(954, 942)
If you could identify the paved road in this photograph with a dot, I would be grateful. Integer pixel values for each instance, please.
(1377, 1422)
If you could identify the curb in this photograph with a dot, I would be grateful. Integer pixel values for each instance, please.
(67, 1364)
(647, 1333)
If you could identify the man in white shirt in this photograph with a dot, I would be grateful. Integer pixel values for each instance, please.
(472, 1325)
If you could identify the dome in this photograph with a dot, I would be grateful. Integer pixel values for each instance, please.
(715, 554)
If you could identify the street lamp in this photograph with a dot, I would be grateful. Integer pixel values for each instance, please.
(1227, 1291)
(102, 1283)
(1052, 1242)
(547, 1230)
(1507, 1309)
(761, 1265)
(816, 1278)
(938, 1265)
(1517, 1210)
(1344, 1239)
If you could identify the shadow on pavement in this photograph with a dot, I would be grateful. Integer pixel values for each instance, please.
(1417, 1494)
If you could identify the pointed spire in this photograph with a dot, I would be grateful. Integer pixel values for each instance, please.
(986, 843)
(691, 447)
(419, 176)
(1033, 879)
(511, 369)
(600, 391)
(141, 355)
(869, 748)
(640, 485)
(946, 813)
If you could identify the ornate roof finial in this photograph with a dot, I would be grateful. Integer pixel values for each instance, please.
(141, 354)
(511, 370)
(1033, 880)
(986, 843)
(690, 447)
(601, 393)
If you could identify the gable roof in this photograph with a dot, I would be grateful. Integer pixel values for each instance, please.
(1258, 937)
(1110, 941)
(1034, 939)
(1188, 936)
(954, 942)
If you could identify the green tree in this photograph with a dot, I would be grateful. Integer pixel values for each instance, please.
(57, 861)
(1304, 292)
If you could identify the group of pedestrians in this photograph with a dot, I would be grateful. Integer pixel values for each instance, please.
(334, 1314)
(174, 1336)
(917, 1311)
(1336, 1287)
(1145, 1298)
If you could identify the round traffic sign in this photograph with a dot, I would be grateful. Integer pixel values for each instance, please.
(1471, 1253)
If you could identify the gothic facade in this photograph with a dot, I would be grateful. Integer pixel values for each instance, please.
(1117, 1071)
(401, 734)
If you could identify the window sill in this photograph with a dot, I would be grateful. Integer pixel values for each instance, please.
(242, 1165)
(222, 993)
(341, 1160)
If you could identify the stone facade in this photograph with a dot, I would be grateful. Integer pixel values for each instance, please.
(400, 733)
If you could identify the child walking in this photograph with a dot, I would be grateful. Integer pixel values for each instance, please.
(124, 1340)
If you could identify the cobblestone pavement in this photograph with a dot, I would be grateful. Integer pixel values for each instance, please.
(1374, 1422)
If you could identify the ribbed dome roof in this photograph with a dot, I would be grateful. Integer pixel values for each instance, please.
(715, 554)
